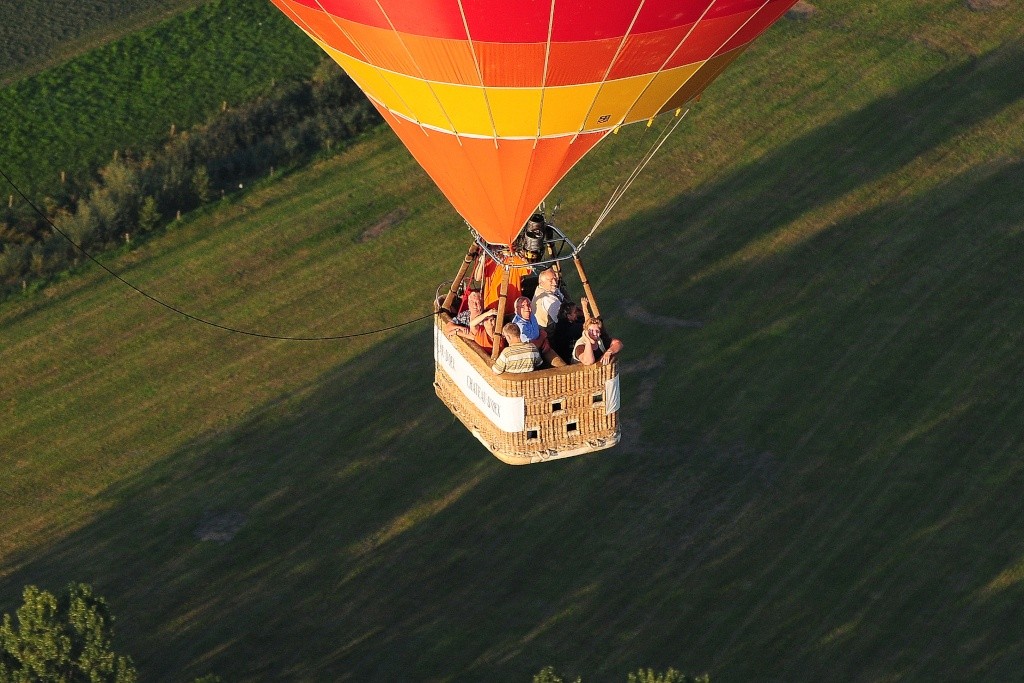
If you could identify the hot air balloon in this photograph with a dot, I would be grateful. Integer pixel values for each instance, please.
(497, 100)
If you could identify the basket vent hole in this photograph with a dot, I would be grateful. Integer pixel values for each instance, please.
(556, 406)
(598, 398)
(532, 434)
(572, 427)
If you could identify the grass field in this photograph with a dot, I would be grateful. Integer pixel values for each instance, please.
(819, 286)
(129, 93)
(39, 34)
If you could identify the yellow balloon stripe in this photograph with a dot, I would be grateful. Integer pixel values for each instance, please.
(466, 107)
(661, 89)
(613, 103)
(565, 108)
(516, 112)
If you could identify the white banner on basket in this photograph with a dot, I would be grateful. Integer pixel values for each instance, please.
(611, 395)
(507, 413)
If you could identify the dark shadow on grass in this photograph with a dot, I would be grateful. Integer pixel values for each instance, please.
(379, 542)
(876, 359)
(717, 220)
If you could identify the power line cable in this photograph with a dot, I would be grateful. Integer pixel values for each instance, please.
(195, 318)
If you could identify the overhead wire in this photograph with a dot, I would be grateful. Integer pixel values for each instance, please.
(185, 314)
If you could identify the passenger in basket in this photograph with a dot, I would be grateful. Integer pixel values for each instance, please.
(474, 307)
(595, 345)
(568, 329)
(485, 335)
(478, 326)
(519, 356)
(548, 299)
(531, 331)
(526, 321)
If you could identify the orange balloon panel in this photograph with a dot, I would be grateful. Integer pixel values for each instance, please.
(497, 99)
(494, 185)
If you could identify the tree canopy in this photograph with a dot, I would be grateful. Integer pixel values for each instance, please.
(549, 675)
(66, 640)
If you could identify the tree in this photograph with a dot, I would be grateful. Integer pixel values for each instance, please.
(670, 676)
(65, 641)
(549, 675)
(81, 226)
(121, 182)
(201, 184)
(149, 214)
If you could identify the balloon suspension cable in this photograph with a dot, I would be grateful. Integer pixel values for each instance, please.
(555, 244)
(625, 185)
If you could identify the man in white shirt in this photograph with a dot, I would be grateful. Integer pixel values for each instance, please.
(548, 299)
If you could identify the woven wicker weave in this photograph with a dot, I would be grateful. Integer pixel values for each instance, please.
(566, 409)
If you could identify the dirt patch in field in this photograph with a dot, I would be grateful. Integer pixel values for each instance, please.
(801, 10)
(219, 526)
(985, 5)
(949, 45)
(389, 221)
(635, 311)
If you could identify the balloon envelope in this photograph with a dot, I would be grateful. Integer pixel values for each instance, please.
(498, 99)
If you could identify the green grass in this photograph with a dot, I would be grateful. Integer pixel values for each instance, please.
(130, 92)
(821, 481)
(38, 34)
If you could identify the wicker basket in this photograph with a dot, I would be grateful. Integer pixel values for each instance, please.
(530, 417)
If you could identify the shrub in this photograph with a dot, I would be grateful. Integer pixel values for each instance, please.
(134, 192)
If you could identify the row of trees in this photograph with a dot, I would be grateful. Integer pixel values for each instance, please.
(64, 640)
(68, 640)
(137, 192)
(549, 675)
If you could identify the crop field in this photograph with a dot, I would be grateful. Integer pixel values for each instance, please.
(36, 34)
(130, 92)
(818, 283)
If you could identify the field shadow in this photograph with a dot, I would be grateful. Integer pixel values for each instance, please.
(891, 385)
(695, 231)
(349, 532)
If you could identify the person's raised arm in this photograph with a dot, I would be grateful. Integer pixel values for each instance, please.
(585, 307)
(478, 320)
(584, 351)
